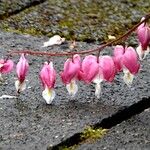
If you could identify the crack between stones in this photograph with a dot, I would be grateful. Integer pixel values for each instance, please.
(31, 4)
(106, 123)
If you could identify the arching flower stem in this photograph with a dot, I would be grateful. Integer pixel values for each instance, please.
(99, 48)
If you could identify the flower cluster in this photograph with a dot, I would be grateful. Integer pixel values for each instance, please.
(92, 69)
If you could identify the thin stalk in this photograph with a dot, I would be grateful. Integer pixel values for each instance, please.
(99, 48)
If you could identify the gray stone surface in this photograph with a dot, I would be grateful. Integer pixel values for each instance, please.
(132, 134)
(10, 6)
(28, 123)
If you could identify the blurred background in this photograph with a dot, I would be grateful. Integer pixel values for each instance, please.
(83, 20)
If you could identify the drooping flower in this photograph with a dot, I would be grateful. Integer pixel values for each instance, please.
(48, 78)
(89, 72)
(89, 69)
(6, 66)
(126, 59)
(143, 34)
(118, 54)
(130, 65)
(142, 53)
(106, 72)
(70, 74)
(107, 66)
(21, 70)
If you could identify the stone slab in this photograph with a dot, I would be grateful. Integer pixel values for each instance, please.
(131, 134)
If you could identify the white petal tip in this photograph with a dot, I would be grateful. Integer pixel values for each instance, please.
(1, 78)
(146, 52)
(20, 86)
(72, 88)
(140, 52)
(128, 78)
(48, 95)
(98, 90)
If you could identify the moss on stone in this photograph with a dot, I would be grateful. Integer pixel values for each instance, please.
(68, 148)
(82, 20)
(90, 134)
(31, 31)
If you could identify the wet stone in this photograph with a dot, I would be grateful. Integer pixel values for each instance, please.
(28, 123)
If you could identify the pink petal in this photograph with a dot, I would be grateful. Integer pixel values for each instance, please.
(48, 75)
(89, 69)
(118, 53)
(130, 60)
(7, 66)
(143, 33)
(118, 50)
(22, 68)
(107, 66)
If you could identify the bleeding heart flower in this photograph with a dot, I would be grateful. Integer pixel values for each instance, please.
(118, 54)
(143, 33)
(130, 65)
(21, 70)
(90, 72)
(142, 53)
(107, 66)
(48, 78)
(126, 59)
(70, 74)
(106, 72)
(6, 66)
(89, 69)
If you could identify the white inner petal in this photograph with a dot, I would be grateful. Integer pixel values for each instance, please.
(20, 86)
(1, 65)
(48, 95)
(146, 52)
(1, 78)
(128, 77)
(97, 90)
(98, 79)
(72, 88)
(140, 52)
